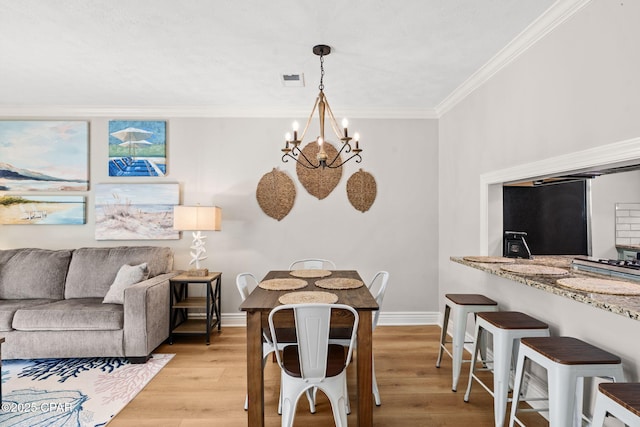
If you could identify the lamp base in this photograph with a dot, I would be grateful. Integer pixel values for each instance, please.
(199, 272)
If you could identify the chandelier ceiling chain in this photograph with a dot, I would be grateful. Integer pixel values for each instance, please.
(291, 148)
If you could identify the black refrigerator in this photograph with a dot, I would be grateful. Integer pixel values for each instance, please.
(554, 216)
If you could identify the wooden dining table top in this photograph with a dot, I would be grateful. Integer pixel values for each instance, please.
(265, 300)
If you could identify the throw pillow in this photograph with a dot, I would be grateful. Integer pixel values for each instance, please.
(127, 276)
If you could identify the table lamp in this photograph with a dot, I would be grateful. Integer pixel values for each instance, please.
(197, 219)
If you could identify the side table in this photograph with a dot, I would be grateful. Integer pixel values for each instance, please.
(181, 304)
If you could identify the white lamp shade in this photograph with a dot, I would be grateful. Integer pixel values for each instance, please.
(197, 218)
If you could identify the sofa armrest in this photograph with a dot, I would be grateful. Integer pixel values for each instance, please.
(146, 315)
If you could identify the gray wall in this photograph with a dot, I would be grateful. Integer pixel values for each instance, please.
(576, 88)
(220, 161)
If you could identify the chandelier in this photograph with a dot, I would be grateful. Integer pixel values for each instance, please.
(291, 148)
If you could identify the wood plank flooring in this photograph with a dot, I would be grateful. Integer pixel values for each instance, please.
(205, 386)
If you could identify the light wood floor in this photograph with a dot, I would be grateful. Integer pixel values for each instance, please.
(205, 386)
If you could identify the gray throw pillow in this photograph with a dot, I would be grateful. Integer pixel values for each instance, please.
(127, 276)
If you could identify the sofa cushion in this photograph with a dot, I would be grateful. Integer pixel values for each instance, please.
(9, 307)
(80, 314)
(93, 270)
(127, 276)
(33, 273)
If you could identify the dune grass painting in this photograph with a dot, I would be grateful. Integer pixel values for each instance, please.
(42, 210)
(135, 211)
(41, 155)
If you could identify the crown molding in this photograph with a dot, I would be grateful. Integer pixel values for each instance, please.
(557, 13)
(85, 111)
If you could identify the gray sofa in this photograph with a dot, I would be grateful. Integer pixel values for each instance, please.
(51, 303)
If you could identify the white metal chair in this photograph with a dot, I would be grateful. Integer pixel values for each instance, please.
(243, 281)
(314, 363)
(313, 264)
(378, 287)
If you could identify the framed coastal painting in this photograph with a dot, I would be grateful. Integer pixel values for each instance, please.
(42, 155)
(135, 211)
(42, 210)
(137, 148)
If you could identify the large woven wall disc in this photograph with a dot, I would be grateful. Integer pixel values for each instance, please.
(319, 182)
(276, 194)
(361, 190)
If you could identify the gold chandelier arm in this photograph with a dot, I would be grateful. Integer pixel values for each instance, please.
(313, 110)
(332, 120)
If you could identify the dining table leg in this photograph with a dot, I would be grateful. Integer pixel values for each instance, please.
(364, 370)
(255, 374)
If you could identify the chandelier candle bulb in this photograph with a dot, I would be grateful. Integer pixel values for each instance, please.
(345, 124)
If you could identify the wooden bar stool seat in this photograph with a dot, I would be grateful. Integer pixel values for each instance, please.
(567, 361)
(462, 305)
(506, 328)
(621, 400)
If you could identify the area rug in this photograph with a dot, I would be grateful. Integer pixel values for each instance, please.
(71, 392)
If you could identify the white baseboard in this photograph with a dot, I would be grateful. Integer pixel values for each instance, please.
(408, 318)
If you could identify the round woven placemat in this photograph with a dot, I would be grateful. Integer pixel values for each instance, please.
(310, 273)
(308, 297)
(489, 259)
(283, 284)
(534, 270)
(339, 283)
(600, 286)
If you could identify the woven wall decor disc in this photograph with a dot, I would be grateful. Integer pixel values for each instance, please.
(361, 190)
(534, 270)
(282, 284)
(319, 182)
(600, 286)
(339, 283)
(310, 273)
(306, 297)
(276, 193)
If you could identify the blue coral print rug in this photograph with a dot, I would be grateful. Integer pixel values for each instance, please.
(71, 392)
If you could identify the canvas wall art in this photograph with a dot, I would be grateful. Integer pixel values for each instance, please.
(39, 155)
(137, 148)
(136, 211)
(42, 210)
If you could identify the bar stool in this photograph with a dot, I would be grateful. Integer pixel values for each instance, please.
(506, 327)
(461, 305)
(622, 400)
(567, 361)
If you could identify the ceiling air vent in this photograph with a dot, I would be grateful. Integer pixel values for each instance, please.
(292, 80)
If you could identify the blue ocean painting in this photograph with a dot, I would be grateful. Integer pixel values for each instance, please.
(40, 155)
(136, 211)
(137, 148)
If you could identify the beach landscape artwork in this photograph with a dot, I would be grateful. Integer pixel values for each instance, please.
(137, 148)
(40, 155)
(42, 210)
(136, 211)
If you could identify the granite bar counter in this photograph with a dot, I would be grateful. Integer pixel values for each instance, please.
(627, 306)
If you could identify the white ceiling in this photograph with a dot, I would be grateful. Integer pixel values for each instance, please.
(388, 55)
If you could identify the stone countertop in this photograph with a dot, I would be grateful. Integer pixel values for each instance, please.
(627, 306)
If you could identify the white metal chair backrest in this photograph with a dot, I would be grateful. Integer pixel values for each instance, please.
(313, 264)
(378, 285)
(312, 323)
(243, 280)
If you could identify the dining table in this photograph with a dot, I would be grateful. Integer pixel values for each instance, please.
(259, 304)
